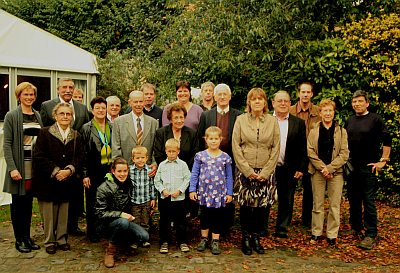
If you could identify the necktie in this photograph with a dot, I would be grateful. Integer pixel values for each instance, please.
(139, 132)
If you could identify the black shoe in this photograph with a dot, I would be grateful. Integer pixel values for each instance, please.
(22, 246)
(32, 245)
(51, 249)
(246, 248)
(256, 244)
(331, 241)
(281, 235)
(76, 232)
(315, 238)
(64, 247)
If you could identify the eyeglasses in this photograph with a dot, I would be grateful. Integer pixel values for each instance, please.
(66, 114)
(284, 101)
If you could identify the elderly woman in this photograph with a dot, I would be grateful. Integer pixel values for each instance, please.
(328, 152)
(255, 145)
(178, 130)
(193, 111)
(96, 135)
(57, 158)
(21, 127)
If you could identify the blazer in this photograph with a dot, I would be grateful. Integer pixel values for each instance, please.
(124, 137)
(92, 166)
(340, 152)
(13, 147)
(188, 148)
(296, 146)
(209, 118)
(81, 113)
(256, 149)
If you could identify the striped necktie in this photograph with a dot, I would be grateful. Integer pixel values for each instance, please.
(139, 132)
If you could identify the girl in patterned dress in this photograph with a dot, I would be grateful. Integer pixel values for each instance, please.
(211, 185)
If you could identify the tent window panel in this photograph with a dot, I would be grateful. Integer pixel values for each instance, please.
(4, 95)
(43, 88)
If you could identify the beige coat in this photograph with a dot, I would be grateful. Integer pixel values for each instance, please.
(340, 152)
(256, 149)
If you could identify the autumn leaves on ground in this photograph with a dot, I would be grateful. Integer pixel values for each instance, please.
(386, 252)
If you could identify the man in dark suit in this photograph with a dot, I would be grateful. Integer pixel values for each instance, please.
(65, 91)
(223, 117)
(292, 161)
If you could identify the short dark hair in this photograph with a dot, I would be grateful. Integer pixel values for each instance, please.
(98, 99)
(305, 82)
(180, 84)
(175, 107)
(118, 161)
(361, 93)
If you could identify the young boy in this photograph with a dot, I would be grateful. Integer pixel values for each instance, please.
(143, 193)
(171, 180)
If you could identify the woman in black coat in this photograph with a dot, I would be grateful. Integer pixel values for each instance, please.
(96, 135)
(57, 160)
(189, 144)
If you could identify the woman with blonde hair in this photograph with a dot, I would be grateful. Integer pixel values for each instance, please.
(21, 127)
(255, 144)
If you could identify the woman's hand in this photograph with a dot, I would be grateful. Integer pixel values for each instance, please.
(253, 176)
(228, 199)
(15, 175)
(127, 216)
(193, 196)
(63, 174)
(86, 182)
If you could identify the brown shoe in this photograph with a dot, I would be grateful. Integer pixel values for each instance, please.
(109, 257)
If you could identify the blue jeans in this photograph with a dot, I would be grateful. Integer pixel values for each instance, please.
(124, 232)
(361, 191)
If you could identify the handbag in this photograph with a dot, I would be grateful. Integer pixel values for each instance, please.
(348, 168)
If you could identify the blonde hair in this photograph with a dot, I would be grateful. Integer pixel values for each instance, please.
(22, 86)
(213, 129)
(139, 150)
(253, 93)
(327, 102)
(172, 143)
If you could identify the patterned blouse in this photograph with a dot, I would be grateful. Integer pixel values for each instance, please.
(212, 179)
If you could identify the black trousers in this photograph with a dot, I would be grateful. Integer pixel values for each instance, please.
(75, 208)
(252, 220)
(172, 211)
(286, 186)
(21, 215)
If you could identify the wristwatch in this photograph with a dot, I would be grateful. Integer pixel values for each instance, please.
(384, 159)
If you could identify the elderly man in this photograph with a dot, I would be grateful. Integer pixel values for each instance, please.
(309, 112)
(113, 108)
(207, 96)
(224, 117)
(292, 160)
(366, 134)
(65, 91)
(134, 129)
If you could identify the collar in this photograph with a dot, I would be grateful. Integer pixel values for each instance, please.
(226, 110)
(62, 131)
(145, 167)
(135, 116)
(299, 109)
(149, 109)
(109, 117)
(63, 101)
(172, 161)
(285, 118)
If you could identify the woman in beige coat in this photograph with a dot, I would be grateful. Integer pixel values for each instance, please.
(328, 152)
(255, 145)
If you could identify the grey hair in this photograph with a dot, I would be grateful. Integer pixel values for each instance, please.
(222, 87)
(113, 98)
(361, 93)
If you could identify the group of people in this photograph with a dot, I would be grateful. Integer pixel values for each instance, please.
(187, 158)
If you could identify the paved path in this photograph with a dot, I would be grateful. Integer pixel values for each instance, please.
(87, 257)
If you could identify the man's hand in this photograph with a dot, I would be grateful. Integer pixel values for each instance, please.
(86, 182)
(153, 203)
(378, 166)
(298, 175)
(153, 170)
(63, 174)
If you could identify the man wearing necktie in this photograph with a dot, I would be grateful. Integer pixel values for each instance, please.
(134, 129)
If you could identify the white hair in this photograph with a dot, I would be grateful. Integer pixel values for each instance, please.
(221, 87)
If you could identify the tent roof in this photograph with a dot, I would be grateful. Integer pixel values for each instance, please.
(24, 45)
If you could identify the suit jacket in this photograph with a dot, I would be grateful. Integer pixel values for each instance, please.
(296, 146)
(81, 113)
(188, 148)
(209, 118)
(124, 137)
